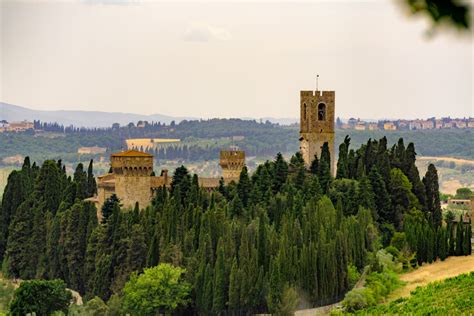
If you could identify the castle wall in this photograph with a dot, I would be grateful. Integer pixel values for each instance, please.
(131, 189)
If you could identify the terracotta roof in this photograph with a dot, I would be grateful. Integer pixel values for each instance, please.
(131, 153)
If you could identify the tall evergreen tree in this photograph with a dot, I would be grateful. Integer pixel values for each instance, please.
(433, 204)
(220, 281)
(382, 198)
(244, 186)
(91, 183)
(342, 162)
(281, 173)
(325, 168)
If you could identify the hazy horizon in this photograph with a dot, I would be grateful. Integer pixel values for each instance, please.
(226, 59)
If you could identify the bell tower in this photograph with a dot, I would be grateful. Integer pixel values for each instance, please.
(316, 124)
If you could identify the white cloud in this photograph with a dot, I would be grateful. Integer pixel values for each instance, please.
(202, 32)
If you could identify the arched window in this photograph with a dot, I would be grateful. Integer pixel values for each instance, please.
(321, 112)
(304, 111)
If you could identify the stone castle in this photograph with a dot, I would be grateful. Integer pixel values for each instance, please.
(316, 124)
(132, 178)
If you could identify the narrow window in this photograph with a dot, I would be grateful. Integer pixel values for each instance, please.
(321, 112)
(304, 111)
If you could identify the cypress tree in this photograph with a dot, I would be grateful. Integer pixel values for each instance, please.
(48, 186)
(442, 243)
(325, 168)
(281, 173)
(342, 162)
(383, 161)
(244, 186)
(452, 239)
(382, 199)
(108, 207)
(467, 240)
(81, 182)
(314, 168)
(234, 287)
(433, 204)
(153, 257)
(207, 289)
(19, 185)
(366, 196)
(91, 184)
(275, 288)
(220, 280)
(459, 237)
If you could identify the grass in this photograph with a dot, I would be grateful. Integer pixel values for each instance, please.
(453, 296)
(436, 271)
(6, 295)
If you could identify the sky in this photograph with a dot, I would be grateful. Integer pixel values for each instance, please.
(231, 59)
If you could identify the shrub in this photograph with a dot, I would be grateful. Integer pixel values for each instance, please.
(352, 275)
(358, 299)
(158, 289)
(393, 251)
(41, 297)
(399, 240)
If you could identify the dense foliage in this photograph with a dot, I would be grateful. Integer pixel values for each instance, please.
(203, 139)
(246, 247)
(41, 297)
(157, 289)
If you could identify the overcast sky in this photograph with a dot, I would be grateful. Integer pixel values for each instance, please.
(231, 59)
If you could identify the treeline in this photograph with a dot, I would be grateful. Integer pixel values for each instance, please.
(260, 139)
(207, 152)
(243, 245)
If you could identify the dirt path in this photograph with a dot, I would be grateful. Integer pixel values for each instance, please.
(436, 271)
(323, 310)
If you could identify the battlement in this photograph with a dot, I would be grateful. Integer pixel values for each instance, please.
(310, 93)
(232, 154)
(132, 163)
(231, 162)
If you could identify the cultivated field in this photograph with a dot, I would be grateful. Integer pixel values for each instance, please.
(436, 271)
(454, 173)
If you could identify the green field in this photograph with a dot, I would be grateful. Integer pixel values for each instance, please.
(454, 296)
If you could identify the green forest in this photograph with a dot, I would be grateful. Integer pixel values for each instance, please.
(282, 234)
(261, 139)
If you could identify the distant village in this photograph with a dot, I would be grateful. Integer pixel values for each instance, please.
(351, 124)
(393, 125)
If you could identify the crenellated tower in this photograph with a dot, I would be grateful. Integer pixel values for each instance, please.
(316, 124)
(232, 161)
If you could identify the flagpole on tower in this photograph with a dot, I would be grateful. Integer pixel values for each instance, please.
(317, 78)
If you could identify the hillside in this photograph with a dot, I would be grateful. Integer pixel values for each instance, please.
(80, 118)
(436, 271)
(454, 296)
(12, 112)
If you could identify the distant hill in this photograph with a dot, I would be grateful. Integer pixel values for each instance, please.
(12, 112)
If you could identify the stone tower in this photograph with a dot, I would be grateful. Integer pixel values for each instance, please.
(132, 170)
(232, 161)
(316, 124)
